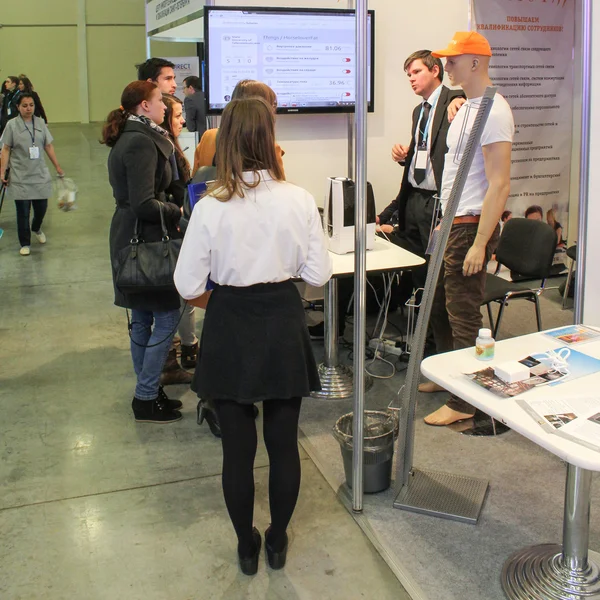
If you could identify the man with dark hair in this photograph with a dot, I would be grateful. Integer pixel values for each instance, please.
(159, 71)
(409, 217)
(194, 105)
(534, 212)
(162, 73)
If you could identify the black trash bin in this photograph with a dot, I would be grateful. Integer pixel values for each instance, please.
(380, 429)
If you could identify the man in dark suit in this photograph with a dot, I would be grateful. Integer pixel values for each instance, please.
(410, 215)
(195, 105)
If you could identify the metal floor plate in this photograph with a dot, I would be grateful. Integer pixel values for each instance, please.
(443, 495)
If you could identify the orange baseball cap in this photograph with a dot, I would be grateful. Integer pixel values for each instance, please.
(465, 42)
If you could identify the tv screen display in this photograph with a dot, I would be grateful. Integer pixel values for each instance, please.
(308, 56)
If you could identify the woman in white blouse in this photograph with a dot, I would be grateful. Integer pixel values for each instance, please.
(252, 233)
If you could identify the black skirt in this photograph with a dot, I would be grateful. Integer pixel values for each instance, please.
(255, 345)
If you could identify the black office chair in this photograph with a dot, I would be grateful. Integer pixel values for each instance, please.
(572, 255)
(526, 247)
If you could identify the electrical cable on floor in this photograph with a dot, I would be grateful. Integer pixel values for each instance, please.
(384, 308)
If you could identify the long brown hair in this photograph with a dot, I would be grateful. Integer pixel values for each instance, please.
(26, 84)
(246, 143)
(250, 88)
(182, 162)
(133, 95)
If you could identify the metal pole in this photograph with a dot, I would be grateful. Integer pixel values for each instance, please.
(213, 120)
(82, 63)
(350, 129)
(331, 324)
(360, 253)
(584, 169)
(350, 146)
(576, 526)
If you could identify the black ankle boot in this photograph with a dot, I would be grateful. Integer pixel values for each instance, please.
(162, 397)
(153, 411)
(205, 413)
(275, 559)
(249, 564)
(189, 356)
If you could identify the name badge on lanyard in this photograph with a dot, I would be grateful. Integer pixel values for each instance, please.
(422, 154)
(34, 151)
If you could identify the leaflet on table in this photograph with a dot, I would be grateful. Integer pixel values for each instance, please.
(544, 371)
(574, 334)
(574, 418)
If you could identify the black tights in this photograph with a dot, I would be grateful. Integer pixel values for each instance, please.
(280, 430)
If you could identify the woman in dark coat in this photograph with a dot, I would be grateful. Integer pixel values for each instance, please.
(26, 86)
(140, 170)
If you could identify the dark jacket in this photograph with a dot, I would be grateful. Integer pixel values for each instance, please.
(139, 172)
(39, 109)
(195, 112)
(439, 131)
(10, 102)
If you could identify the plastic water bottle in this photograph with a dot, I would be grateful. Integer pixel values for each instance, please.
(485, 345)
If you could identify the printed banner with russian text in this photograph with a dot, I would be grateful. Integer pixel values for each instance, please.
(532, 66)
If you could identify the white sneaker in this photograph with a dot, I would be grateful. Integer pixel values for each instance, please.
(25, 251)
(41, 236)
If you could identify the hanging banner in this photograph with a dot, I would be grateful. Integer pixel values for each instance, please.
(185, 66)
(162, 15)
(532, 66)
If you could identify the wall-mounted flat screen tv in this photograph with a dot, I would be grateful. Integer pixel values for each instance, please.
(308, 56)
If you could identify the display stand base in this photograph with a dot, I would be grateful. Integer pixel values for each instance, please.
(538, 573)
(443, 495)
(338, 383)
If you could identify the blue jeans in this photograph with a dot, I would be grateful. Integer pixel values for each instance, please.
(148, 362)
(23, 211)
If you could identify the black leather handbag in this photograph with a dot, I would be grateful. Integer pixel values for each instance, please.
(148, 266)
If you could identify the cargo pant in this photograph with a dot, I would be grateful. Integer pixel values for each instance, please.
(456, 312)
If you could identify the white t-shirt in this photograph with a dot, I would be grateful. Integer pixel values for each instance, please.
(272, 234)
(500, 127)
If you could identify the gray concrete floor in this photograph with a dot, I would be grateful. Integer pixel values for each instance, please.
(94, 505)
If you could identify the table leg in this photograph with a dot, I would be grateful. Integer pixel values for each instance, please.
(336, 380)
(552, 571)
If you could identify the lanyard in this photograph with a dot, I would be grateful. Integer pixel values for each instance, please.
(32, 132)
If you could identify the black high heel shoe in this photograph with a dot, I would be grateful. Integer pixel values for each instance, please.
(249, 565)
(203, 413)
(276, 560)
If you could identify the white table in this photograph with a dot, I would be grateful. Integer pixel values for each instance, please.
(548, 571)
(336, 379)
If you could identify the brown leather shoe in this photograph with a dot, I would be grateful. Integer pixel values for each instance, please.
(429, 387)
(172, 373)
(181, 376)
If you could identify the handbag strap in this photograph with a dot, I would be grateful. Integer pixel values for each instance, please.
(136, 227)
(130, 324)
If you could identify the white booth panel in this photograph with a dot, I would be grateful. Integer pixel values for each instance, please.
(591, 292)
(187, 32)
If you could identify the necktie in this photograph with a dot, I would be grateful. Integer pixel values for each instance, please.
(423, 123)
(420, 173)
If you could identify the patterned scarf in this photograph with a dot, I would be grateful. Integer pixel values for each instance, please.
(146, 121)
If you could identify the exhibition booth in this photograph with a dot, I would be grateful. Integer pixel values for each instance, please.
(469, 502)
